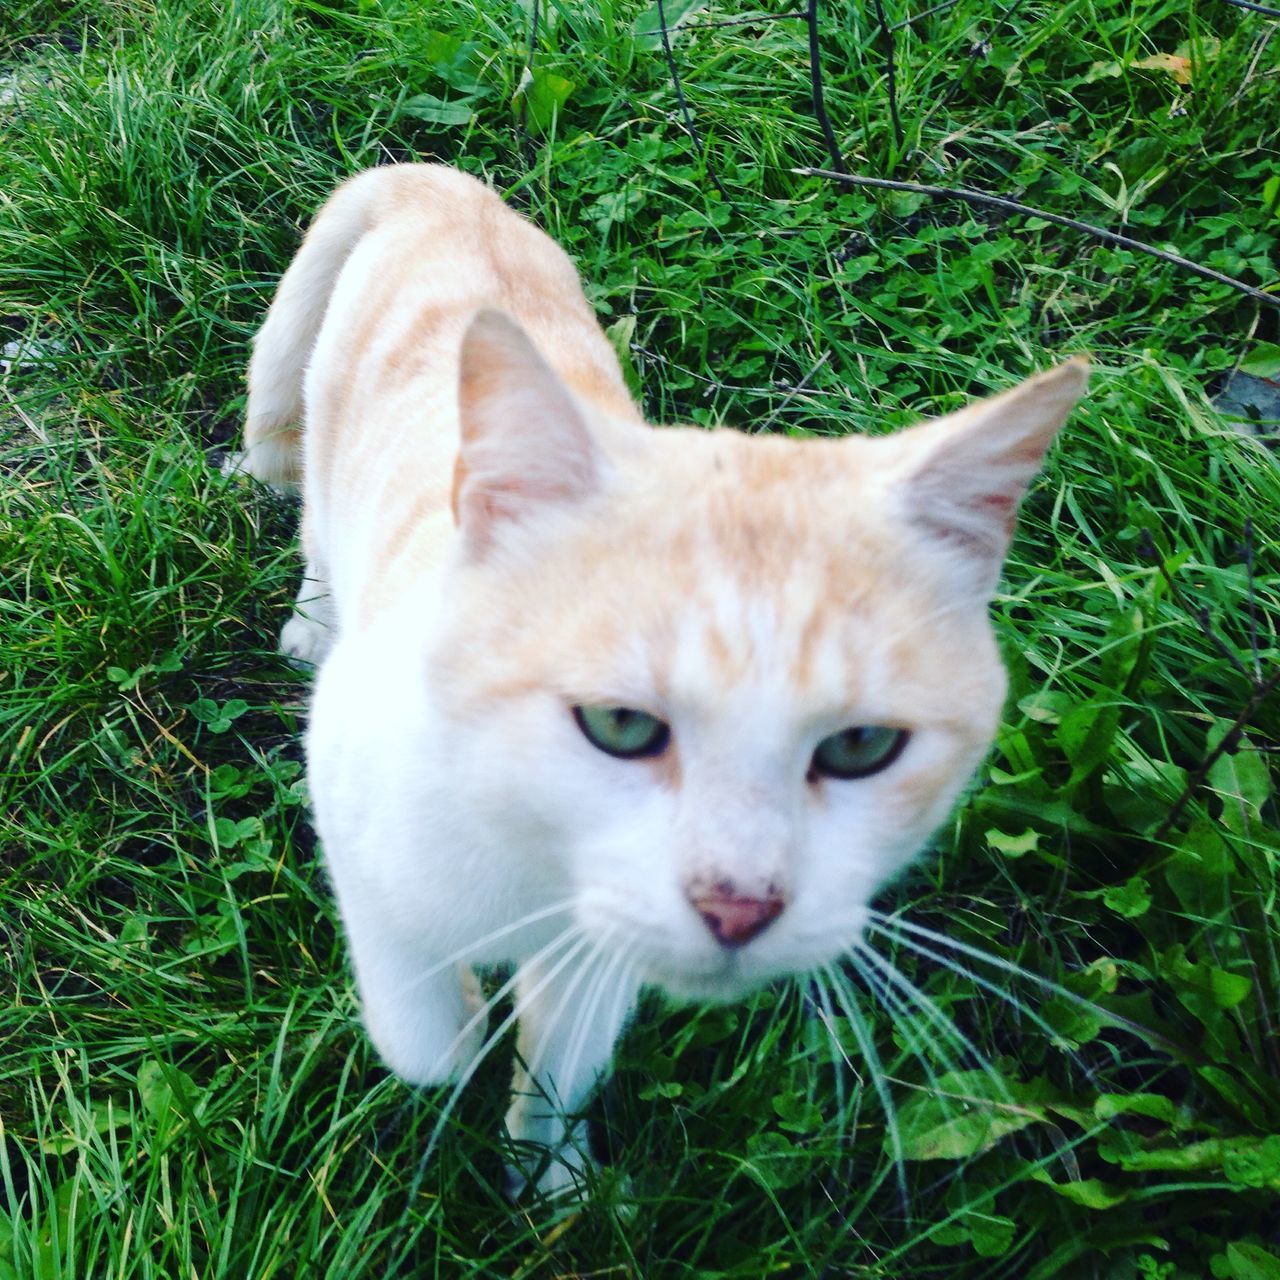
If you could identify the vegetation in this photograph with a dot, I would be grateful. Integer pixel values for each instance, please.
(184, 1087)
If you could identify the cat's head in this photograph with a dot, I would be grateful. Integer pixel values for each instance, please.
(719, 688)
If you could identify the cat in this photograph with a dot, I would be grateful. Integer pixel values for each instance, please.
(626, 706)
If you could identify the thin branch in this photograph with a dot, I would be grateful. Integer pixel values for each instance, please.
(27, 420)
(687, 115)
(1255, 8)
(1261, 688)
(1230, 741)
(1148, 551)
(533, 31)
(792, 393)
(815, 77)
(1260, 47)
(522, 119)
(979, 49)
(750, 22)
(715, 384)
(970, 196)
(1247, 550)
(886, 39)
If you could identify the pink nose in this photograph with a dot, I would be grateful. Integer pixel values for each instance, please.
(733, 919)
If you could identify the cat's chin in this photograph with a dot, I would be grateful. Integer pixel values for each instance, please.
(723, 983)
(707, 974)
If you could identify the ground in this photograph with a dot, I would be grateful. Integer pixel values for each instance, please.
(184, 1086)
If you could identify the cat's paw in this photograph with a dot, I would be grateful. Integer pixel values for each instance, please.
(426, 1054)
(305, 641)
(426, 1061)
(233, 464)
(559, 1173)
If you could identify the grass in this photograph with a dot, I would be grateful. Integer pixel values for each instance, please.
(184, 1087)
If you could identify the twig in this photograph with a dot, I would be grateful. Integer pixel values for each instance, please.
(522, 119)
(1013, 206)
(815, 78)
(28, 421)
(690, 127)
(1247, 550)
(1255, 8)
(979, 49)
(792, 393)
(715, 384)
(886, 39)
(1148, 550)
(1229, 742)
(1260, 48)
(749, 22)
(533, 32)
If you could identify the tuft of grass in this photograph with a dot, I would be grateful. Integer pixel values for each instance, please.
(1076, 1065)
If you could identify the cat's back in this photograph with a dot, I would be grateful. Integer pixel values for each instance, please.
(432, 246)
(427, 247)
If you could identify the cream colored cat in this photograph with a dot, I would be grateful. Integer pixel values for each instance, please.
(624, 706)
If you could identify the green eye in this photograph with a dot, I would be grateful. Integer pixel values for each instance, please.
(623, 731)
(858, 752)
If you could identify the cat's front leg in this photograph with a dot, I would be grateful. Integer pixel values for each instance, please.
(310, 632)
(406, 913)
(312, 628)
(425, 1017)
(570, 1017)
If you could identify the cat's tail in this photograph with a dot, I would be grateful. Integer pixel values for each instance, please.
(282, 347)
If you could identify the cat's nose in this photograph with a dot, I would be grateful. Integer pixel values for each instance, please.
(735, 918)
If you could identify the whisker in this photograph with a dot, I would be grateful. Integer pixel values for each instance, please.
(627, 989)
(584, 973)
(905, 1022)
(590, 1006)
(848, 1003)
(903, 1019)
(459, 956)
(509, 985)
(826, 1015)
(572, 936)
(1007, 997)
(503, 1027)
(946, 1025)
(1003, 1100)
(888, 926)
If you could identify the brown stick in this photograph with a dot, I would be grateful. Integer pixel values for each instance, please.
(999, 202)
(1230, 741)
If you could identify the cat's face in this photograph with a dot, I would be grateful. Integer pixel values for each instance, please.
(717, 688)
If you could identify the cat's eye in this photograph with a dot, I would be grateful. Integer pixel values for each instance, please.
(858, 752)
(623, 731)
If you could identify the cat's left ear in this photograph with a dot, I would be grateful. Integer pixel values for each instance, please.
(525, 446)
(963, 476)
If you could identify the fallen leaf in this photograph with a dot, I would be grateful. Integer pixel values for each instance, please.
(1178, 68)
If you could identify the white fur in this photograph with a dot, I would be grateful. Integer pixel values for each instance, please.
(481, 828)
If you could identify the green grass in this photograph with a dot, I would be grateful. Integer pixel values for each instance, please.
(184, 1087)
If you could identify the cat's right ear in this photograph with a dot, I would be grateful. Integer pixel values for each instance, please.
(962, 477)
(525, 446)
